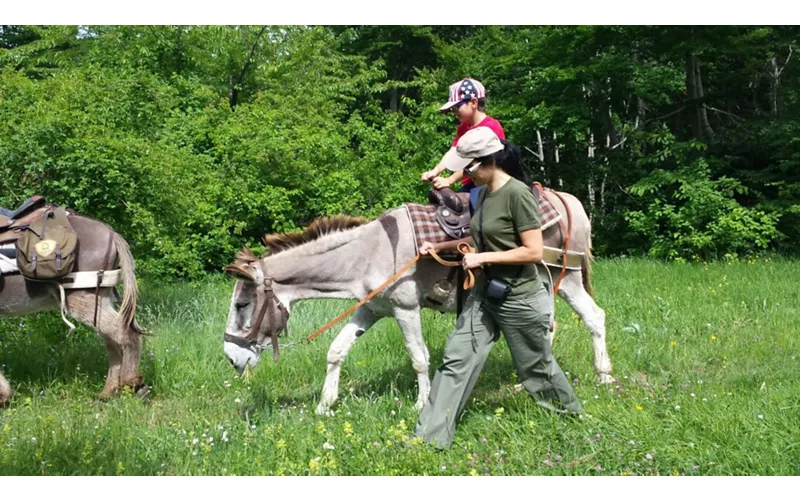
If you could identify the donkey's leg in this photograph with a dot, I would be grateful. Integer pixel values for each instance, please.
(358, 324)
(130, 374)
(411, 325)
(576, 296)
(5, 390)
(81, 305)
(112, 385)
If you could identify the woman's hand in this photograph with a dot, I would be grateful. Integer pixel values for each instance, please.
(472, 260)
(426, 247)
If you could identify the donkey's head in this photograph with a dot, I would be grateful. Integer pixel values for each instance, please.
(255, 314)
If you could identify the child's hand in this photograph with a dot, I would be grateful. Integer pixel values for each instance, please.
(428, 176)
(441, 182)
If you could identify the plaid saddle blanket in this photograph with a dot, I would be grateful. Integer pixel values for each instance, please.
(426, 228)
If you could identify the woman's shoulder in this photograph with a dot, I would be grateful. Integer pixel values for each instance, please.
(518, 187)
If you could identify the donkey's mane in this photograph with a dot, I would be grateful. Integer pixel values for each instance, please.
(278, 242)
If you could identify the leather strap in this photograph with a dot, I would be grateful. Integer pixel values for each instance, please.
(100, 274)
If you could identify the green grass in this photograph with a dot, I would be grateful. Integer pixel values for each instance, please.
(705, 356)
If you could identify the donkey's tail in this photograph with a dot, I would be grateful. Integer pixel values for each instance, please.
(586, 267)
(127, 309)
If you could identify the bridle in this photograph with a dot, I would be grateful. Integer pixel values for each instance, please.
(268, 306)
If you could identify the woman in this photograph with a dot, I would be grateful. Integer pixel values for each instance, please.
(508, 295)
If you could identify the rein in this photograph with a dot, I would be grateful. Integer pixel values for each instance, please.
(364, 300)
(463, 248)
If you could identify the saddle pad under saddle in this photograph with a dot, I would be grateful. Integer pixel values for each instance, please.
(426, 228)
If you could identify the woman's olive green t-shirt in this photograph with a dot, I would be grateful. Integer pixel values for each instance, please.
(507, 212)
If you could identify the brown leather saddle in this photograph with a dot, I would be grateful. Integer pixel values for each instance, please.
(452, 212)
(12, 223)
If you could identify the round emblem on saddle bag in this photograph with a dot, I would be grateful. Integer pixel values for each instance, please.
(45, 247)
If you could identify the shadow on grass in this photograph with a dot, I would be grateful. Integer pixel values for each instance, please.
(398, 378)
(36, 350)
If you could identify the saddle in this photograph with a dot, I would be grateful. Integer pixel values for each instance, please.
(12, 223)
(452, 211)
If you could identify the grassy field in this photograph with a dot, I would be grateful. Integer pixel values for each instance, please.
(705, 357)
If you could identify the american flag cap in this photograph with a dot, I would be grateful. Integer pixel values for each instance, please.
(462, 91)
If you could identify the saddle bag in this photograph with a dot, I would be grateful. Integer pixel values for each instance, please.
(46, 250)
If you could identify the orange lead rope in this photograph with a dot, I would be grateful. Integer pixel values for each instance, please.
(463, 249)
(469, 282)
(365, 299)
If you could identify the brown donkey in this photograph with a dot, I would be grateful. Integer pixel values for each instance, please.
(118, 329)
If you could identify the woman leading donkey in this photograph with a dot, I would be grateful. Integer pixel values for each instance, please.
(508, 295)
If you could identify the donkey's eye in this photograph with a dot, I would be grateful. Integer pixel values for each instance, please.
(242, 305)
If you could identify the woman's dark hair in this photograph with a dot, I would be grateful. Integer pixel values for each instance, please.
(510, 161)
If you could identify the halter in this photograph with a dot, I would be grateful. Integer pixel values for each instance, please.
(270, 300)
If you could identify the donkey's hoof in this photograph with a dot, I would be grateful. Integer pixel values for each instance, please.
(5, 399)
(324, 410)
(606, 378)
(142, 392)
(106, 396)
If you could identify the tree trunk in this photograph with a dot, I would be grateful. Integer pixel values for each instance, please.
(691, 89)
(393, 100)
(545, 179)
(603, 196)
(773, 88)
(694, 86)
(555, 144)
(236, 85)
(709, 133)
(590, 184)
(641, 113)
(177, 52)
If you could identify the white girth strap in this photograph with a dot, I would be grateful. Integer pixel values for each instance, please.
(88, 279)
(7, 265)
(553, 258)
(85, 279)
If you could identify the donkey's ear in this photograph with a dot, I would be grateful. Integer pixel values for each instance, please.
(237, 272)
